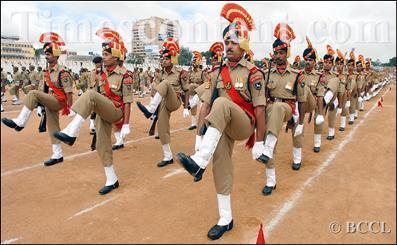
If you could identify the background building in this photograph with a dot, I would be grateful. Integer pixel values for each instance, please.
(148, 36)
(13, 50)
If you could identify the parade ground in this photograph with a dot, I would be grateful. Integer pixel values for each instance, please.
(352, 180)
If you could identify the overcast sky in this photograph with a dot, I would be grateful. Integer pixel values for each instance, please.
(368, 27)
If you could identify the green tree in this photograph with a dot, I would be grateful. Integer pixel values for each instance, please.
(185, 57)
(207, 55)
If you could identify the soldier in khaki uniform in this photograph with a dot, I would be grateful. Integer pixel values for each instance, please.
(360, 64)
(344, 89)
(216, 54)
(3, 88)
(111, 104)
(196, 78)
(33, 80)
(368, 79)
(17, 83)
(57, 96)
(286, 99)
(315, 82)
(236, 99)
(136, 81)
(83, 81)
(353, 93)
(142, 83)
(168, 97)
(296, 64)
(25, 87)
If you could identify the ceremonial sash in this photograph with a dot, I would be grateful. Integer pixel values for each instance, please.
(117, 100)
(236, 98)
(59, 94)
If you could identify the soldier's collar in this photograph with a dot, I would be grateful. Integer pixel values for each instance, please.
(287, 69)
(54, 68)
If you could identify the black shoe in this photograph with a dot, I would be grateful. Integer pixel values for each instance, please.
(296, 166)
(53, 161)
(144, 110)
(330, 137)
(217, 230)
(267, 190)
(10, 123)
(165, 163)
(191, 166)
(316, 149)
(64, 138)
(350, 122)
(263, 159)
(92, 131)
(93, 148)
(192, 127)
(157, 137)
(355, 117)
(361, 110)
(116, 147)
(341, 129)
(108, 188)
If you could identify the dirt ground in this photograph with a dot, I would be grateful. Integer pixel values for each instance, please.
(352, 179)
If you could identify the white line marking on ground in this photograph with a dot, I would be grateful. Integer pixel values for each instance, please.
(80, 155)
(294, 198)
(86, 210)
(10, 240)
(174, 172)
(6, 112)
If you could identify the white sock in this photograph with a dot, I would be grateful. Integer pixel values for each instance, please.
(270, 143)
(270, 177)
(351, 117)
(56, 151)
(331, 131)
(343, 122)
(154, 102)
(74, 126)
(317, 140)
(23, 117)
(297, 154)
(167, 152)
(111, 177)
(356, 113)
(119, 140)
(194, 101)
(193, 120)
(225, 209)
(207, 147)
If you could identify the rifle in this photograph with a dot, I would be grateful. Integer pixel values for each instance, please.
(43, 120)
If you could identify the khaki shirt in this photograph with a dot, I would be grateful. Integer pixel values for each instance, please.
(3, 76)
(142, 78)
(94, 78)
(25, 76)
(252, 90)
(120, 83)
(281, 85)
(157, 78)
(312, 81)
(66, 80)
(17, 78)
(175, 79)
(360, 80)
(351, 85)
(196, 77)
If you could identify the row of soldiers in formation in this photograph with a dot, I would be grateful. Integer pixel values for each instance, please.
(239, 101)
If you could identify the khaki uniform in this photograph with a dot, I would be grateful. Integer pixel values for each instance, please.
(34, 81)
(353, 93)
(63, 81)
(196, 78)
(136, 80)
(3, 81)
(120, 83)
(332, 82)
(94, 79)
(170, 88)
(317, 89)
(344, 88)
(280, 88)
(17, 83)
(230, 119)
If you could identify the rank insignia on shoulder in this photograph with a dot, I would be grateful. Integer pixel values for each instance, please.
(258, 86)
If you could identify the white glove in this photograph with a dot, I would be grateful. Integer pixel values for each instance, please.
(298, 130)
(258, 149)
(125, 130)
(72, 113)
(347, 105)
(40, 110)
(319, 119)
(198, 142)
(338, 111)
(185, 113)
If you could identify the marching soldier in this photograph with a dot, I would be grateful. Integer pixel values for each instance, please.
(18, 82)
(168, 97)
(57, 96)
(236, 99)
(320, 65)
(315, 81)
(142, 83)
(296, 64)
(33, 80)
(94, 79)
(136, 81)
(3, 87)
(112, 106)
(344, 89)
(330, 98)
(196, 78)
(353, 89)
(25, 87)
(360, 64)
(368, 79)
(285, 103)
(83, 81)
